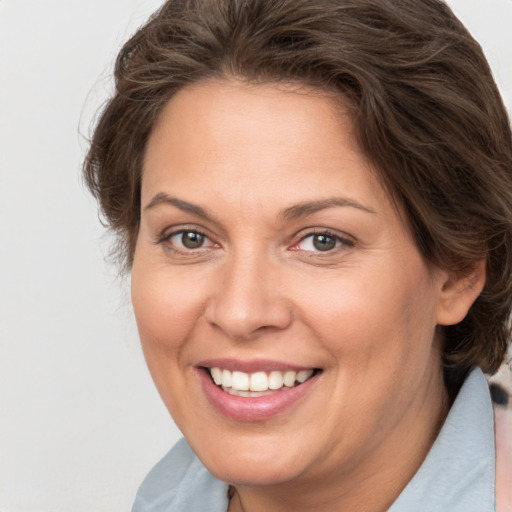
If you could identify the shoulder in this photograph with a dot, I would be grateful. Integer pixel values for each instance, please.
(180, 482)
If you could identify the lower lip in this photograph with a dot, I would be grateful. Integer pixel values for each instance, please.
(253, 408)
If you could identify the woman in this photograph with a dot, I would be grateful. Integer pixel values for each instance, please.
(314, 201)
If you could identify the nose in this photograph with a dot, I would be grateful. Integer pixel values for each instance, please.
(249, 299)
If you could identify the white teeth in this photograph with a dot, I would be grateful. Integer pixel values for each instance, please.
(216, 375)
(226, 378)
(304, 375)
(289, 379)
(240, 381)
(236, 392)
(258, 382)
(275, 380)
(245, 384)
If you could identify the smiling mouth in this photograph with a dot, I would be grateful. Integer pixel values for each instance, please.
(258, 384)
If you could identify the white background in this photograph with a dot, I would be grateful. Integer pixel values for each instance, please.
(80, 420)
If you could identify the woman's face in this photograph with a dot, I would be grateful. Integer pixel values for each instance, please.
(268, 254)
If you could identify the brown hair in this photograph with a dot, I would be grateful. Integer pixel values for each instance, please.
(425, 107)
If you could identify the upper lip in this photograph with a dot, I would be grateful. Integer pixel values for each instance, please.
(252, 366)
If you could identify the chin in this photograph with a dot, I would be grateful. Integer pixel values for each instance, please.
(248, 474)
(259, 464)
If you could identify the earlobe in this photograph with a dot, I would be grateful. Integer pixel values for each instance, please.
(458, 292)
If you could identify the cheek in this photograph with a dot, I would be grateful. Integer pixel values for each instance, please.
(166, 309)
(380, 314)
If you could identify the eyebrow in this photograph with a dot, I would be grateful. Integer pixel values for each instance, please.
(185, 206)
(293, 212)
(309, 207)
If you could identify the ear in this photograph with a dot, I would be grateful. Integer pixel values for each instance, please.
(458, 292)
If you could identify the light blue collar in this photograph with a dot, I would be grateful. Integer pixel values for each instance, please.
(458, 474)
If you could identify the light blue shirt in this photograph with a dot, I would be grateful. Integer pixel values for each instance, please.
(458, 474)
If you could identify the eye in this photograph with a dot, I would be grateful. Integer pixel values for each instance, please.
(321, 242)
(187, 239)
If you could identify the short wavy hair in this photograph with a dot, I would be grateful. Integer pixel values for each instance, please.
(425, 107)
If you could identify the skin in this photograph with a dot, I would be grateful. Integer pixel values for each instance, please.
(365, 312)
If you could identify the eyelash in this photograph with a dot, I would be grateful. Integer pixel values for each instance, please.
(340, 241)
(167, 237)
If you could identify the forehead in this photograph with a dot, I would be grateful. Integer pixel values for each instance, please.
(255, 135)
(233, 117)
